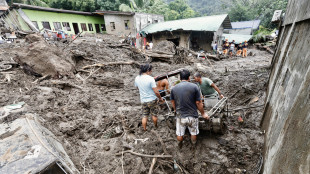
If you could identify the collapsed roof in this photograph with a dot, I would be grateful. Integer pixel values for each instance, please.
(27, 146)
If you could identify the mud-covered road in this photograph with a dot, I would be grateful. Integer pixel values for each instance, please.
(99, 119)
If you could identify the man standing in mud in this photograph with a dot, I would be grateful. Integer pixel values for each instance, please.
(149, 94)
(186, 99)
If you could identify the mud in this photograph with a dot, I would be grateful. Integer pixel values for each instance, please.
(102, 118)
(165, 46)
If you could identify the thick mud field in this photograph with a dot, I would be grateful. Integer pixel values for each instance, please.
(96, 113)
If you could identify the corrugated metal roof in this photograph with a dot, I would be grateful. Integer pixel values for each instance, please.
(246, 24)
(206, 23)
(239, 38)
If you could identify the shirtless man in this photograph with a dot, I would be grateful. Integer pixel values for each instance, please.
(163, 86)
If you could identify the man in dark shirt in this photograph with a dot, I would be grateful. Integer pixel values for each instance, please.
(186, 99)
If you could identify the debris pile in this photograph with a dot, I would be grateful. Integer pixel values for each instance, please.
(96, 113)
(41, 59)
(165, 46)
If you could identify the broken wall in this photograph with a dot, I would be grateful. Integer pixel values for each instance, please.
(287, 111)
(182, 36)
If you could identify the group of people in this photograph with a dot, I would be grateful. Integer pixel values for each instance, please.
(232, 48)
(186, 98)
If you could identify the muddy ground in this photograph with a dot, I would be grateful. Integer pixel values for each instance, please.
(96, 112)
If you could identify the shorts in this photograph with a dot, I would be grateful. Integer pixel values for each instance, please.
(150, 108)
(189, 122)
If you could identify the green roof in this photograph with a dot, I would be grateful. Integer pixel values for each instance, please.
(239, 38)
(206, 23)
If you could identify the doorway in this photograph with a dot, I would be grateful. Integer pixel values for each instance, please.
(76, 28)
(175, 41)
(97, 28)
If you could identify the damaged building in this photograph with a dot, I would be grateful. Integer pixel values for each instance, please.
(128, 23)
(34, 18)
(194, 33)
(22, 17)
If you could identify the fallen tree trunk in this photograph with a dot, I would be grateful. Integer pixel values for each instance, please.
(144, 155)
(159, 52)
(110, 64)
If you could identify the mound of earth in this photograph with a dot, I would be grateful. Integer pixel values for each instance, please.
(40, 58)
(165, 46)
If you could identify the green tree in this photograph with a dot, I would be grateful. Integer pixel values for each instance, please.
(182, 8)
(253, 9)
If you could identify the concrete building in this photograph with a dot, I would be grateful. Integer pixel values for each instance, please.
(286, 118)
(128, 23)
(244, 27)
(194, 33)
(34, 18)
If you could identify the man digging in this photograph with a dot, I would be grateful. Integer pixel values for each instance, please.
(149, 94)
(186, 99)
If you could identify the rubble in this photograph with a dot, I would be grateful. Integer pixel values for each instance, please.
(93, 108)
(40, 59)
(165, 46)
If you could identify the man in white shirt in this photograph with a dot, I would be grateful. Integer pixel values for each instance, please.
(149, 94)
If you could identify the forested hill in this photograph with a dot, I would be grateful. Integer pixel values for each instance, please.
(209, 7)
(238, 10)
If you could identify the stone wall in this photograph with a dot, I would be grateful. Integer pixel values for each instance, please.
(287, 112)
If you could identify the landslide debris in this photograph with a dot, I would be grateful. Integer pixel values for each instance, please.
(40, 58)
(96, 113)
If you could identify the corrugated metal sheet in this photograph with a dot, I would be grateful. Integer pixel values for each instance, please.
(246, 24)
(239, 38)
(206, 23)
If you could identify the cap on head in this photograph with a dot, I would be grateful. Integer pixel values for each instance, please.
(246, 41)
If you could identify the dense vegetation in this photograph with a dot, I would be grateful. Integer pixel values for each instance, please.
(238, 10)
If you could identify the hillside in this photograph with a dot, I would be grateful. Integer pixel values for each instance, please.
(209, 7)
